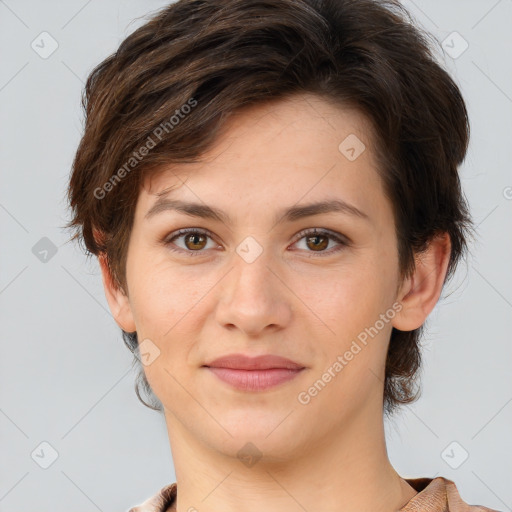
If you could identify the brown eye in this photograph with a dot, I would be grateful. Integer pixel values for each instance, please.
(190, 241)
(195, 241)
(317, 242)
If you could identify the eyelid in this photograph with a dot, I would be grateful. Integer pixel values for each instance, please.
(167, 240)
(323, 231)
(341, 239)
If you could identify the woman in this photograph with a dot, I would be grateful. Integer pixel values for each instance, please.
(272, 191)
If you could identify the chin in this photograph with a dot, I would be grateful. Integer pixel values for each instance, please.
(251, 447)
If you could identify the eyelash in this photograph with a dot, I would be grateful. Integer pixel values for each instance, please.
(343, 241)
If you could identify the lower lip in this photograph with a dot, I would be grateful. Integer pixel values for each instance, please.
(255, 380)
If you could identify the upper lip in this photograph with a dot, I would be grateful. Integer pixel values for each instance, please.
(263, 362)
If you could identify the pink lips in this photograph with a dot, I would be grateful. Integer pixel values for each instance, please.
(254, 373)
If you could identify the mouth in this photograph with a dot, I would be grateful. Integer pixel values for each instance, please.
(254, 373)
(254, 380)
(263, 362)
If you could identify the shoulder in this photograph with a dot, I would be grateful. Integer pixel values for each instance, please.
(439, 495)
(162, 501)
(435, 495)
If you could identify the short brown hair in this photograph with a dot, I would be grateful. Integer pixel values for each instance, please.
(197, 61)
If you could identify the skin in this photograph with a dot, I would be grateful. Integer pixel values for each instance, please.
(291, 301)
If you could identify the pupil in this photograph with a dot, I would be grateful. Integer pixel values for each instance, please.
(192, 238)
(316, 244)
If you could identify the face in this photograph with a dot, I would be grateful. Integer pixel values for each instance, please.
(311, 285)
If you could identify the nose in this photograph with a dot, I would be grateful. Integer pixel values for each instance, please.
(253, 297)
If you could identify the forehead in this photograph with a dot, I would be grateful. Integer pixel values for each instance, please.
(281, 150)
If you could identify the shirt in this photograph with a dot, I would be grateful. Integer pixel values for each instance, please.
(434, 495)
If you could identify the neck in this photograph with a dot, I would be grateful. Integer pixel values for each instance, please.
(349, 470)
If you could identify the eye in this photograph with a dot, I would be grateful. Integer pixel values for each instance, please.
(316, 241)
(194, 241)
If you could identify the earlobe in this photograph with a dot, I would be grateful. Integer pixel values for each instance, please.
(118, 302)
(422, 289)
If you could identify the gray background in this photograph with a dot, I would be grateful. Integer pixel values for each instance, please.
(66, 376)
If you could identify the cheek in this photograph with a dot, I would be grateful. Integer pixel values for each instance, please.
(345, 298)
(160, 302)
(347, 305)
(163, 293)
(164, 310)
(355, 346)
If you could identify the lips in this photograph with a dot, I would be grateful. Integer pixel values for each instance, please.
(260, 373)
(263, 362)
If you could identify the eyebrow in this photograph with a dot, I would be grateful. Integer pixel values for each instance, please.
(290, 214)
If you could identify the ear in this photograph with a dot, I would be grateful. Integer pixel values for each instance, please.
(420, 292)
(117, 300)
